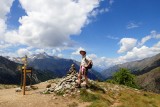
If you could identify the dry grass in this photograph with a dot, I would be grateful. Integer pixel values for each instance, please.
(126, 97)
(4, 86)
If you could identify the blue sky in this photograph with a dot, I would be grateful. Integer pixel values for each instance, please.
(112, 31)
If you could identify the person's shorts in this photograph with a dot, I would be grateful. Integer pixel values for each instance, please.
(85, 72)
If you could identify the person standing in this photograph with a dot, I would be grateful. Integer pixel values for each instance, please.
(86, 63)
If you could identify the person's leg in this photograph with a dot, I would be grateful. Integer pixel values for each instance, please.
(79, 78)
(86, 77)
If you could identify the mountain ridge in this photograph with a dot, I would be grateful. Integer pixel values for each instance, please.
(136, 67)
(45, 67)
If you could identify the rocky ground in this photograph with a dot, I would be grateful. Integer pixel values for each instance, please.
(34, 98)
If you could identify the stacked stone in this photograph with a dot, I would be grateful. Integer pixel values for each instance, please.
(66, 85)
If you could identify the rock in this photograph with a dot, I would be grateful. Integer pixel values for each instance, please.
(58, 88)
(83, 84)
(54, 98)
(28, 88)
(18, 89)
(48, 86)
(66, 85)
(46, 92)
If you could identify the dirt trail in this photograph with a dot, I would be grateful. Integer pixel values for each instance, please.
(10, 98)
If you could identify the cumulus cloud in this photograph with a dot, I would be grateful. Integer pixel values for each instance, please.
(22, 52)
(77, 51)
(4, 45)
(2, 28)
(137, 53)
(50, 23)
(133, 51)
(127, 44)
(60, 55)
(145, 39)
(4, 9)
(153, 35)
(140, 53)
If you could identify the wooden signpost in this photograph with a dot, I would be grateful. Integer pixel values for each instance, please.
(24, 60)
(24, 70)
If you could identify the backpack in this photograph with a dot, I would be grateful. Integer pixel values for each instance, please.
(90, 65)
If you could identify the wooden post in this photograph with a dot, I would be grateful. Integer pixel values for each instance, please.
(21, 78)
(24, 77)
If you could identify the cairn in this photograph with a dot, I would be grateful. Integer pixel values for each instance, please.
(67, 85)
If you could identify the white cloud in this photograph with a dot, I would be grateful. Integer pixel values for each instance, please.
(153, 35)
(49, 23)
(133, 51)
(22, 52)
(4, 45)
(77, 51)
(97, 11)
(60, 55)
(141, 52)
(112, 37)
(4, 9)
(137, 53)
(2, 28)
(39, 51)
(127, 44)
(145, 39)
(132, 25)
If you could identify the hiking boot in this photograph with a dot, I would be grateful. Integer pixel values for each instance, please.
(78, 86)
(88, 86)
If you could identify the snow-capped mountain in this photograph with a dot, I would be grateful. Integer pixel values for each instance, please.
(54, 64)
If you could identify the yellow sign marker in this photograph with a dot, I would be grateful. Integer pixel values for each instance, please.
(28, 70)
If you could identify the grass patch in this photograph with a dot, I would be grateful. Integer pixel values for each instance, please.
(46, 92)
(60, 93)
(96, 87)
(96, 98)
(144, 99)
(87, 96)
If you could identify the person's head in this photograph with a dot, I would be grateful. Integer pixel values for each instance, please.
(82, 52)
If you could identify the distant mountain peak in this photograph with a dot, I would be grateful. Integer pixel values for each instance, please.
(42, 55)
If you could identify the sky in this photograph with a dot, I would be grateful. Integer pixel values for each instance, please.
(111, 31)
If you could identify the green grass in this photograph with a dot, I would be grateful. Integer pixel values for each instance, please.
(127, 97)
(87, 96)
(130, 98)
(95, 94)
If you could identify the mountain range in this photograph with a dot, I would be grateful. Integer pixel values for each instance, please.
(146, 70)
(136, 67)
(45, 67)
